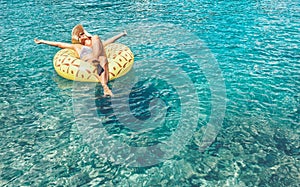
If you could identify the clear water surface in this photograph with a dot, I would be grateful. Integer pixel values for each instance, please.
(52, 130)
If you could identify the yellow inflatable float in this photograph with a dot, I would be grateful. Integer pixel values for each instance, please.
(68, 65)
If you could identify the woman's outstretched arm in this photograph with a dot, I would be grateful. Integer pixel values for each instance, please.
(113, 39)
(56, 44)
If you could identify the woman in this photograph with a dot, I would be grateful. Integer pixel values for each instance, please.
(89, 48)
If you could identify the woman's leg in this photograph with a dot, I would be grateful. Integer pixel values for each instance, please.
(104, 75)
(100, 55)
(97, 47)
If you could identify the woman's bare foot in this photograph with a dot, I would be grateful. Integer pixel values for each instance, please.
(107, 91)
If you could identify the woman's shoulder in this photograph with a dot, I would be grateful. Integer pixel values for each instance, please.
(77, 46)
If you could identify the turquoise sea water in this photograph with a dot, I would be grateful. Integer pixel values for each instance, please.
(213, 99)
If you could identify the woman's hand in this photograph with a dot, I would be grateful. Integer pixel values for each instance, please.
(37, 41)
(124, 33)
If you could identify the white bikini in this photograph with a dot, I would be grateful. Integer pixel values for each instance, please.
(85, 50)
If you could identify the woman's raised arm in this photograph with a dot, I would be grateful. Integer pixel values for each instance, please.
(113, 39)
(56, 44)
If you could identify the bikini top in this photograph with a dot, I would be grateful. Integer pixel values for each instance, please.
(85, 50)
